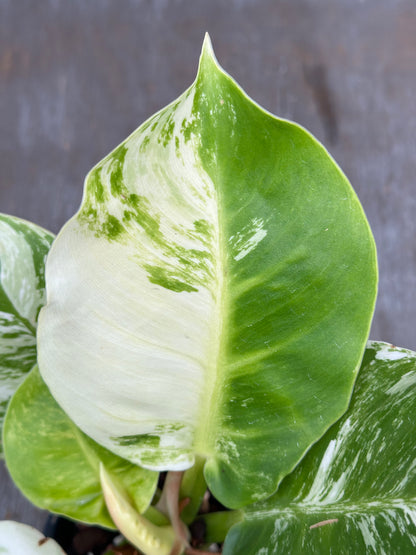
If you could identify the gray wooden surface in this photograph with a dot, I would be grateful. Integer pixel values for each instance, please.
(78, 76)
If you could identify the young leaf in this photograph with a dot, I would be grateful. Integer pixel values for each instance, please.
(213, 295)
(355, 491)
(23, 250)
(21, 539)
(149, 538)
(64, 471)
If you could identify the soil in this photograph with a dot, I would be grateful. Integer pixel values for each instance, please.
(79, 539)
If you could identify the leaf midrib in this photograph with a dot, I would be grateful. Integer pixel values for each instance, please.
(209, 414)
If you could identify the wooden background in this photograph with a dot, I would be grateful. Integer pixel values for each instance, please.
(78, 76)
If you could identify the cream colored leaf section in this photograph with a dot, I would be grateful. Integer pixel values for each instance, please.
(128, 338)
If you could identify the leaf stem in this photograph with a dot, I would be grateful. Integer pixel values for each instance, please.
(217, 525)
(193, 487)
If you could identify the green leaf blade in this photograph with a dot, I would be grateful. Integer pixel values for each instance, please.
(64, 474)
(356, 488)
(220, 278)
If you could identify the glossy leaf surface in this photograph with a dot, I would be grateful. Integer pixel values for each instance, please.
(20, 539)
(64, 471)
(23, 250)
(355, 491)
(213, 295)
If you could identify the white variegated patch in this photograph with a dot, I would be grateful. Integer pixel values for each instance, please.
(325, 489)
(389, 352)
(142, 309)
(248, 239)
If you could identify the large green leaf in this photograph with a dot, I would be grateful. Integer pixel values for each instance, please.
(355, 491)
(213, 295)
(21, 539)
(23, 250)
(64, 471)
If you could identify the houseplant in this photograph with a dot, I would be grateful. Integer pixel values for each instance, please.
(207, 313)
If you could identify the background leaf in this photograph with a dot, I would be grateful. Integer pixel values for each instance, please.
(19, 539)
(56, 466)
(358, 483)
(213, 295)
(23, 250)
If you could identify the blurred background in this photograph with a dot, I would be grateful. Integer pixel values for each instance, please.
(76, 77)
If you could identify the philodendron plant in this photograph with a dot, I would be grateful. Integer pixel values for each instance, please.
(205, 319)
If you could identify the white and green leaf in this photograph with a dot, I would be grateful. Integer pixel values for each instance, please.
(20, 539)
(355, 491)
(23, 250)
(64, 471)
(213, 295)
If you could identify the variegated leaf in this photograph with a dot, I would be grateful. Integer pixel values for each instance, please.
(64, 471)
(23, 250)
(213, 295)
(355, 491)
(20, 539)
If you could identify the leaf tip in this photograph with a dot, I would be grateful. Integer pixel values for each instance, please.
(207, 44)
(207, 57)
